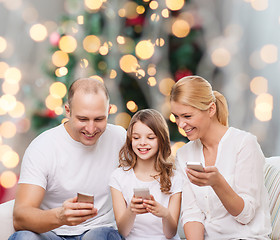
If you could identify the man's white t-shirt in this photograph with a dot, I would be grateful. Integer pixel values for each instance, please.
(63, 167)
(146, 226)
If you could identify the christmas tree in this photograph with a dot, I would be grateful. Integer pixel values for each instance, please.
(138, 48)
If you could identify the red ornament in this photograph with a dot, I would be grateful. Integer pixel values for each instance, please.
(135, 21)
(182, 73)
(54, 39)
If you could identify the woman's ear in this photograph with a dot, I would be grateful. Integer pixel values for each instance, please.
(212, 109)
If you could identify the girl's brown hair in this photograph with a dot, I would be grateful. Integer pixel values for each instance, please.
(197, 92)
(164, 163)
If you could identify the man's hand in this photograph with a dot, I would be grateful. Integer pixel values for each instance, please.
(73, 213)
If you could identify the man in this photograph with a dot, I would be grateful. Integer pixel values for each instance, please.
(77, 156)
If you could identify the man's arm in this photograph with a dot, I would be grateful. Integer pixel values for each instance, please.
(29, 216)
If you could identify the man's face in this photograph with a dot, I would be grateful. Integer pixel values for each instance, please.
(88, 116)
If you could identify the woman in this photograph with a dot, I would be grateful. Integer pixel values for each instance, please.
(228, 200)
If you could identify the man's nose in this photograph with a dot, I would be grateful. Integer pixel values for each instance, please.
(90, 127)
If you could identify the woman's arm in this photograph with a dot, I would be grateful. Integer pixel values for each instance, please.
(233, 203)
(194, 231)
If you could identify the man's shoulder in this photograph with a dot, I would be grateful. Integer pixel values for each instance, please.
(115, 130)
(48, 136)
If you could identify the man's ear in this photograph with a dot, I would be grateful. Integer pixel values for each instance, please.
(109, 109)
(212, 109)
(67, 110)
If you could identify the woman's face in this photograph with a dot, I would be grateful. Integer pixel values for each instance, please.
(193, 121)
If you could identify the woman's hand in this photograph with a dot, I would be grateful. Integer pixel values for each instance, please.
(155, 208)
(210, 177)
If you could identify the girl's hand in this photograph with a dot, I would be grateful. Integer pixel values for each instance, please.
(155, 208)
(136, 206)
(210, 177)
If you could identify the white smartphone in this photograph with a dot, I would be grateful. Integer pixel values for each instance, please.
(85, 198)
(143, 193)
(197, 166)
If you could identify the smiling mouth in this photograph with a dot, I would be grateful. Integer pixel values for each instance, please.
(188, 130)
(89, 135)
(143, 150)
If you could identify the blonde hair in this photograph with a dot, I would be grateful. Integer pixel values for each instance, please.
(197, 92)
(164, 162)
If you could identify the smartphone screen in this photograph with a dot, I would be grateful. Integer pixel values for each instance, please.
(85, 198)
(197, 166)
(143, 193)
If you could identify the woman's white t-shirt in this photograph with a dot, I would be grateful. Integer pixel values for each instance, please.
(146, 226)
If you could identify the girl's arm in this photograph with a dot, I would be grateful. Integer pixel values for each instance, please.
(194, 230)
(170, 215)
(125, 215)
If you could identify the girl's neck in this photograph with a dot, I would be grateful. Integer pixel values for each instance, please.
(145, 170)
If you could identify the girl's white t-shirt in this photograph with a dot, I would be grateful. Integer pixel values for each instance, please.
(146, 226)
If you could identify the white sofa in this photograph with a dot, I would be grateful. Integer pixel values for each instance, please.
(272, 182)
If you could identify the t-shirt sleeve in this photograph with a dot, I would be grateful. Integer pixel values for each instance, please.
(115, 179)
(34, 168)
(177, 183)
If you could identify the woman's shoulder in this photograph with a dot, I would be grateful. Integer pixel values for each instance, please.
(241, 135)
(189, 146)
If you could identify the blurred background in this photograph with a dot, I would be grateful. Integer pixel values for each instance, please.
(139, 48)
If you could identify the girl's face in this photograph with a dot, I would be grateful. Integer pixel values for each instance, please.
(193, 121)
(144, 141)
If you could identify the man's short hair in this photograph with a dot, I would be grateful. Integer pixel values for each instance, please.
(87, 85)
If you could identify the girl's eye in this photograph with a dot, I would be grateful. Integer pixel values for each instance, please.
(151, 138)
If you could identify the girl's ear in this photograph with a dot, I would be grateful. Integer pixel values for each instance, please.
(67, 110)
(212, 109)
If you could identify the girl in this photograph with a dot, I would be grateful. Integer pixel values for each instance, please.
(145, 163)
(228, 199)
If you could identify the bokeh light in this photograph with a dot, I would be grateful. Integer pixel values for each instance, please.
(8, 179)
(12, 75)
(123, 119)
(129, 63)
(258, 85)
(3, 44)
(53, 102)
(269, 53)
(38, 32)
(10, 159)
(10, 88)
(131, 106)
(176, 146)
(18, 110)
(60, 58)
(93, 4)
(91, 43)
(221, 57)
(264, 107)
(175, 5)
(180, 28)
(165, 86)
(259, 5)
(144, 49)
(113, 109)
(8, 129)
(67, 44)
(3, 67)
(58, 89)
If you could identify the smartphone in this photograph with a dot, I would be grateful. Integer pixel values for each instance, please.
(197, 166)
(143, 193)
(85, 198)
